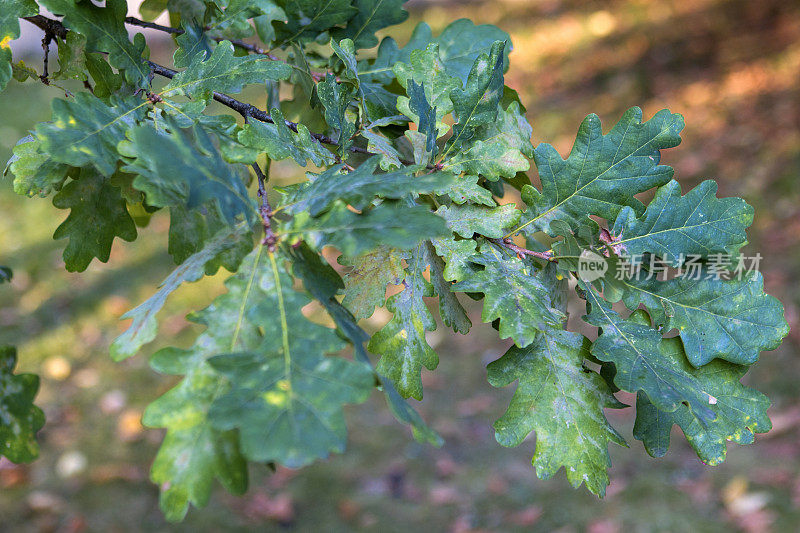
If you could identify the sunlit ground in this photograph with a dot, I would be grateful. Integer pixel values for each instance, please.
(732, 68)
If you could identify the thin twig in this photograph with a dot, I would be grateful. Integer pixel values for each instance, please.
(133, 21)
(547, 256)
(247, 110)
(270, 239)
(46, 40)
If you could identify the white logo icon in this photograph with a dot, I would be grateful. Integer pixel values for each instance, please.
(591, 266)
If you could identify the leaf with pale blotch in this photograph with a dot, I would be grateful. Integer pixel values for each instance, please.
(467, 190)
(184, 168)
(224, 72)
(644, 363)
(499, 150)
(372, 15)
(35, 172)
(457, 255)
(563, 403)
(365, 283)
(20, 419)
(389, 224)
(259, 315)
(675, 226)
(741, 411)
(361, 186)
(97, 215)
(733, 320)
(308, 19)
(71, 58)
(401, 343)
(323, 283)
(104, 28)
(336, 98)
(603, 173)
(513, 294)
(426, 68)
(477, 104)
(279, 142)
(144, 327)
(469, 219)
(85, 130)
(285, 396)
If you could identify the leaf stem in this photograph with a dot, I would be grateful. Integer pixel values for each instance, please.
(506, 242)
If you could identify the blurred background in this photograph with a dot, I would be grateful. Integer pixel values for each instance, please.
(732, 68)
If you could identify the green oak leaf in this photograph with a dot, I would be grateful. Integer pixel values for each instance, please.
(323, 283)
(603, 173)
(675, 226)
(500, 149)
(307, 19)
(457, 255)
(371, 16)
(389, 224)
(401, 343)
(104, 28)
(468, 219)
(563, 403)
(285, 396)
(365, 283)
(35, 172)
(452, 312)
(279, 142)
(184, 168)
(85, 130)
(193, 45)
(426, 69)
(741, 411)
(106, 81)
(467, 190)
(224, 72)
(733, 320)
(191, 229)
(423, 139)
(513, 294)
(71, 58)
(234, 19)
(477, 104)
(20, 419)
(336, 98)
(97, 215)
(463, 41)
(263, 23)
(460, 43)
(644, 363)
(359, 187)
(144, 327)
(378, 144)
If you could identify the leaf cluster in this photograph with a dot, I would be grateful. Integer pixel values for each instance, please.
(412, 155)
